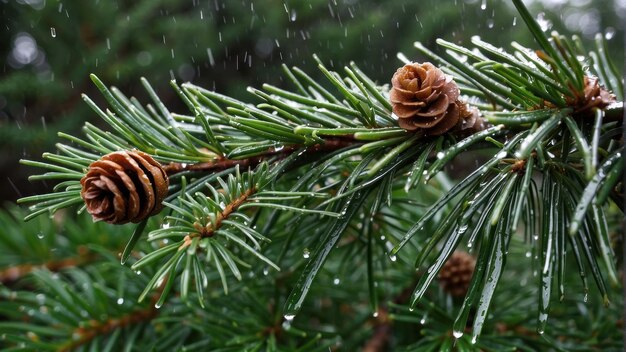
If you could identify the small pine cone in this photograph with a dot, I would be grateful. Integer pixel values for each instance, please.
(124, 186)
(456, 274)
(425, 99)
(471, 121)
(595, 96)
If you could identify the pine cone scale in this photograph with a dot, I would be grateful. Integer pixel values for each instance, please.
(126, 162)
(447, 122)
(438, 108)
(158, 180)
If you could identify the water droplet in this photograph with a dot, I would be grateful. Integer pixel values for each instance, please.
(266, 271)
(158, 305)
(306, 254)
(41, 298)
(474, 339)
(120, 301)
(528, 254)
(457, 334)
(610, 33)
(336, 281)
(53, 32)
(166, 225)
(543, 23)
(440, 155)
(393, 258)
(289, 317)
(375, 314)
(40, 235)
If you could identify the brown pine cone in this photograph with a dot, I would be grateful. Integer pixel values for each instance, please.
(425, 99)
(124, 186)
(456, 274)
(594, 96)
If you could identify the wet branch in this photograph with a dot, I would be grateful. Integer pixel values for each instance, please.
(224, 163)
(16, 272)
(98, 328)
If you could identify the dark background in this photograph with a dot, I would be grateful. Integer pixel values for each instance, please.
(48, 48)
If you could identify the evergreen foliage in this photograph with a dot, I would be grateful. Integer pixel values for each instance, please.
(299, 221)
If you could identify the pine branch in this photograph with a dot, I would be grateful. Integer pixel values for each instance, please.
(99, 329)
(273, 153)
(209, 229)
(17, 272)
(552, 116)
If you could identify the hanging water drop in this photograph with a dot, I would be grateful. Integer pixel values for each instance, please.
(306, 254)
(53, 32)
(610, 33)
(40, 235)
(457, 334)
(120, 301)
(543, 23)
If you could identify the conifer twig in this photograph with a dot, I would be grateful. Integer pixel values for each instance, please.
(224, 163)
(16, 272)
(96, 328)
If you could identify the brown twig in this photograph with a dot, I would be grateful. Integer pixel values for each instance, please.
(330, 144)
(210, 228)
(16, 272)
(96, 328)
(100, 328)
(207, 231)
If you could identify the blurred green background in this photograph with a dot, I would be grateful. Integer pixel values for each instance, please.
(48, 48)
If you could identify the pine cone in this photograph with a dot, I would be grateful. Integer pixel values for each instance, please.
(124, 186)
(456, 274)
(426, 99)
(595, 96)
